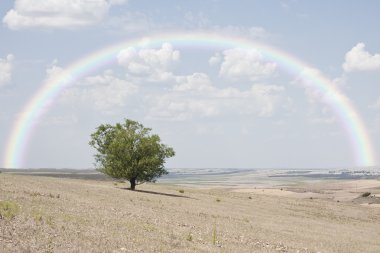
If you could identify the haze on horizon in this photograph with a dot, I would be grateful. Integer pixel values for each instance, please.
(216, 108)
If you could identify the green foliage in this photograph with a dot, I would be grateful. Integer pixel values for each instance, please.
(214, 235)
(181, 191)
(8, 209)
(128, 151)
(189, 237)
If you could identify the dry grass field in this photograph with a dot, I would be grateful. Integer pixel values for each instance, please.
(42, 214)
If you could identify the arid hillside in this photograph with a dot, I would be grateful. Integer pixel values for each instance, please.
(43, 214)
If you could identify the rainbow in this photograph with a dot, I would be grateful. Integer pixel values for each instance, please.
(30, 115)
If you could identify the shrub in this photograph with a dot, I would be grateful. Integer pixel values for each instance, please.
(366, 194)
(8, 209)
(182, 191)
(189, 237)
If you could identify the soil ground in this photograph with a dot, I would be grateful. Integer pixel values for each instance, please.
(74, 215)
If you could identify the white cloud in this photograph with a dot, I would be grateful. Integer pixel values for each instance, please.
(152, 62)
(108, 92)
(320, 99)
(239, 63)
(199, 21)
(53, 70)
(315, 93)
(105, 92)
(188, 98)
(117, 2)
(6, 69)
(358, 59)
(320, 115)
(196, 96)
(215, 59)
(197, 82)
(266, 98)
(57, 13)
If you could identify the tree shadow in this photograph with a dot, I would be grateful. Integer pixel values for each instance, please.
(158, 193)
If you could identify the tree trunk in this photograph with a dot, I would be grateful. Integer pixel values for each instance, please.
(133, 183)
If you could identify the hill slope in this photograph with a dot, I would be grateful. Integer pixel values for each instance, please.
(71, 215)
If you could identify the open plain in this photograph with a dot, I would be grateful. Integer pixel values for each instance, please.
(76, 215)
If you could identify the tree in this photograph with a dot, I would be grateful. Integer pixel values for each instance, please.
(128, 151)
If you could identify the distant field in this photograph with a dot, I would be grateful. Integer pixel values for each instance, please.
(218, 177)
(90, 174)
(57, 214)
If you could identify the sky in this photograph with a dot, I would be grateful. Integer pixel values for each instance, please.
(218, 103)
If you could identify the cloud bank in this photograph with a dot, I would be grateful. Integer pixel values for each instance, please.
(243, 64)
(358, 59)
(153, 63)
(67, 14)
